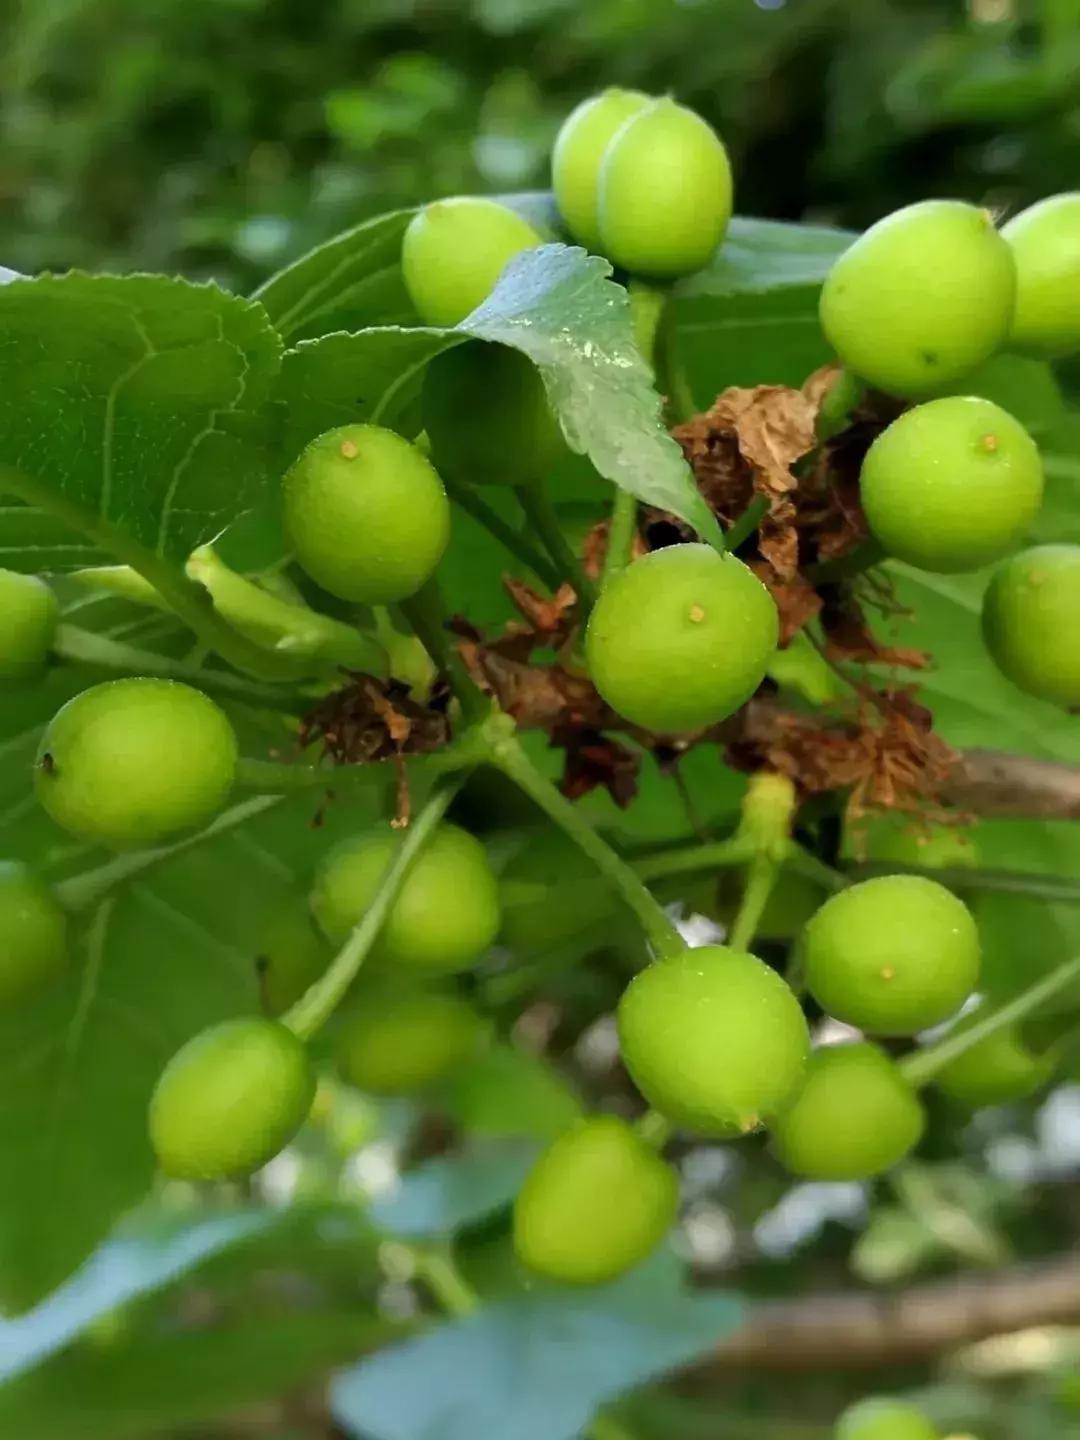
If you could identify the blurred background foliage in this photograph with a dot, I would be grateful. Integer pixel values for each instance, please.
(220, 137)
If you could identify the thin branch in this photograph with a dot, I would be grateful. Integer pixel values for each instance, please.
(857, 1330)
(995, 785)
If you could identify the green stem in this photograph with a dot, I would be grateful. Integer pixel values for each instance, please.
(451, 1290)
(279, 777)
(925, 1064)
(761, 877)
(655, 1129)
(507, 755)
(715, 855)
(80, 892)
(804, 862)
(320, 1001)
(83, 647)
(747, 523)
(187, 600)
(670, 376)
(838, 404)
(512, 540)
(540, 513)
(426, 614)
(621, 529)
(648, 303)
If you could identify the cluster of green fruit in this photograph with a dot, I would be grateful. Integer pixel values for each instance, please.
(914, 307)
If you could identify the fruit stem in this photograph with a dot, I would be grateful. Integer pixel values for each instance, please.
(507, 756)
(919, 1069)
(715, 855)
(540, 513)
(761, 877)
(189, 602)
(280, 778)
(655, 1129)
(442, 1277)
(648, 303)
(805, 862)
(836, 408)
(319, 1002)
(863, 557)
(79, 892)
(621, 530)
(83, 647)
(671, 378)
(747, 523)
(426, 615)
(512, 540)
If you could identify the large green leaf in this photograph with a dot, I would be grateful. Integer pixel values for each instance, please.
(448, 1194)
(350, 282)
(535, 1367)
(558, 306)
(132, 416)
(131, 1265)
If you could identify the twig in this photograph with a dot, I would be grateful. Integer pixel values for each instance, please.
(996, 785)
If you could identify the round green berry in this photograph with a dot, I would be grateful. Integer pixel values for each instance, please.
(882, 1419)
(487, 416)
(230, 1099)
(367, 514)
(34, 930)
(454, 252)
(1000, 1068)
(30, 616)
(1045, 242)
(921, 298)
(1029, 622)
(893, 955)
(714, 1040)
(579, 152)
(290, 954)
(595, 1204)
(665, 192)
(548, 894)
(951, 485)
(131, 762)
(898, 839)
(680, 639)
(446, 913)
(854, 1117)
(400, 1041)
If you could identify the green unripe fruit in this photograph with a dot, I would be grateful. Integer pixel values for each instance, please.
(900, 840)
(291, 954)
(884, 1420)
(366, 514)
(596, 1203)
(30, 614)
(579, 152)
(131, 762)
(230, 1099)
(854, 1117)
(665, 193)
(951, 485)
(454, 252)
(714, 1040)
(892, 956)
(921, 298)
(400, 1041)
(33, 933)
(446, 913)
(680, 638)
(487, 416)
(995, 1070)
(1029, 622)
(1045, 242)
(549, 893)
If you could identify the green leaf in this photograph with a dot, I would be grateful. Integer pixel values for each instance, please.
(535, 1367)
(122, 1269)
(350, 282)
(449, 1194)
(151, 1384)
(557, 306)
(751, 317)
(132, 416)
